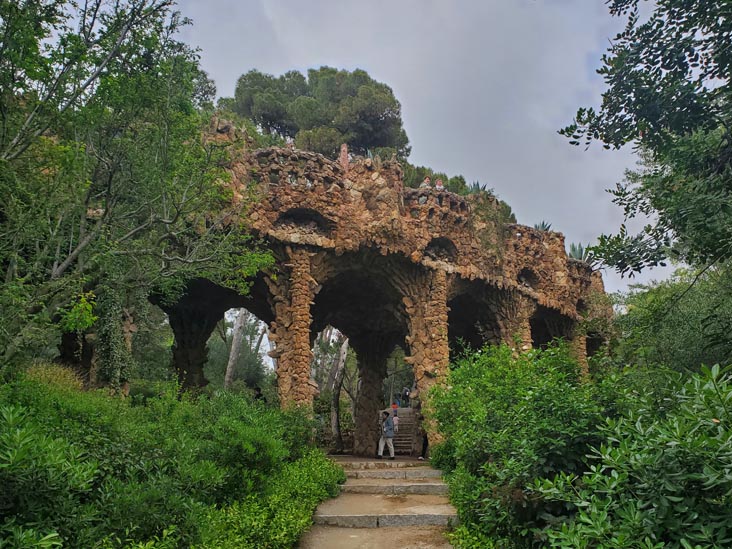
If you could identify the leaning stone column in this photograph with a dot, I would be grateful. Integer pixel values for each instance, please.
(578, 348)
(371, 355)
(192, 326)
(426, 307)
(515, 323)
(291, 331)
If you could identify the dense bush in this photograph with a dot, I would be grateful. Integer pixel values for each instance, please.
(276, 517)
(507, 421)
(96, 471)
(681, 323)
(640, 458)
(658, 480)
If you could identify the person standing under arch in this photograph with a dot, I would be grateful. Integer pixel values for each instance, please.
(387, 435)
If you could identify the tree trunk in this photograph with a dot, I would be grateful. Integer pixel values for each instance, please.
(319, 357)
(335, 364)
(335, 405)
(236, 337)
(259, 340)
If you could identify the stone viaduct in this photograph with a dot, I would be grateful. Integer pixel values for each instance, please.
(387, 266)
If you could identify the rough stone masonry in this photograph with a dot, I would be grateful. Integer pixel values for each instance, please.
(386, 265)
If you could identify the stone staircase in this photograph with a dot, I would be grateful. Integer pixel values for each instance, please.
(401, 503)
(405, 438)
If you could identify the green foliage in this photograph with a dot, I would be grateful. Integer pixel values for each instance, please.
(668, 77)
(668, 74)
(414, 175)
(326, 141)
(104, 176)
(41, 477)
(679, 323)
(80, 315)
(321, 410)
(507, 421)
(87, 467)
(637, 458)
(399, 374)
(543, 226)
(686, 186)
(114, 356)
(656, 481)
(320, 112)
(151, 349)
(277, 517)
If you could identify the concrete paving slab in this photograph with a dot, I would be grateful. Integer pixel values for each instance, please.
(418, 537)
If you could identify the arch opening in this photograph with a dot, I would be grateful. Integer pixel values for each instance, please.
(548, 325)
(364, 306)
(237, 354)
(195, 317)
(472, 321)
(441, 249)
(306, 219)
(528, 278)
(593, 343)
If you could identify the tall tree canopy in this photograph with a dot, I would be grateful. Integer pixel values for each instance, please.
(108, 189)
(327, 108)
(668, 76)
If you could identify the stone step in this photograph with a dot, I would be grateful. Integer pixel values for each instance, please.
(350, 463)
(403, 439)
(433, 487)
(404, 537)
(402, 472)
(331, 537)
(377, 510)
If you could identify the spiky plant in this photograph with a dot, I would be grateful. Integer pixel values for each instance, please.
(581, 252)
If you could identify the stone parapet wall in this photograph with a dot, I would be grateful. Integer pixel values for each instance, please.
(306, 199)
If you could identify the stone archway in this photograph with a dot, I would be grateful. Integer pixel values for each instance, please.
(387, 266)
(547, 325)
(483, 314)
(473, 318)
(194, 316)
(358, 298)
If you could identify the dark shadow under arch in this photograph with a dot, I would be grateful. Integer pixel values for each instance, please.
(547, 325)
(306, 218)
(441, 248)
(528, 278)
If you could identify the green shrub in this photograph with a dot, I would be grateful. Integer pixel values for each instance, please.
(94, 469)
(46, 482)
(508, 420)
(658, 480)
(279, 516)
(14, 537)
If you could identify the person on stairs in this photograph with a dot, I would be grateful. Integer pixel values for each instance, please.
(425, 441)
(387, 435)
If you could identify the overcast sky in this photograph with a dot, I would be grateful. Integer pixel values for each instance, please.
(484, 86)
